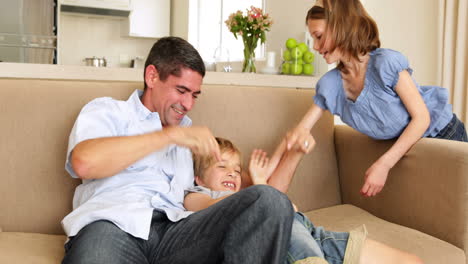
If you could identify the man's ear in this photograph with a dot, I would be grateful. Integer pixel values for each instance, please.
(151, 75)
(199, 181)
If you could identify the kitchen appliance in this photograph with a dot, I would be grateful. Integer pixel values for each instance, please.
(27, 31)
(96, 62)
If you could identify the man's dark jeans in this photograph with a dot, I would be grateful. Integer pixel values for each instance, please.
(251, 226)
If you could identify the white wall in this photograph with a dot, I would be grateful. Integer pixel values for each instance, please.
(87, 36)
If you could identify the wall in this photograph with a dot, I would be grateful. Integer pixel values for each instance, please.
(411, 28)
(84, 36)
(407, 26)
(289, 22)
(180, 18)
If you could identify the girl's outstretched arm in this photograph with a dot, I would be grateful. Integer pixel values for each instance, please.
(283, 172)
(307, 123)
(294, 137)
(376, 175)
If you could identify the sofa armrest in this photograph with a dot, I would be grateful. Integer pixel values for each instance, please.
(426, 190)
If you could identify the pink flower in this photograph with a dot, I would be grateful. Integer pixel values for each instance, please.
(251, 26)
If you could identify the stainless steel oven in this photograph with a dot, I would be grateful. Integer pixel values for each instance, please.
(28, 31)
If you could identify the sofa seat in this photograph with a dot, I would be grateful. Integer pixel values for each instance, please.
(16, 247)
(346, 217)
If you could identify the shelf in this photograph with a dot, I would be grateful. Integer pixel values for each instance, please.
(88, 73)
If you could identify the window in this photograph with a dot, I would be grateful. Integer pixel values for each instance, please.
(208, 32)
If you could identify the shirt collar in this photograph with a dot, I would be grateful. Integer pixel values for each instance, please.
(144, 113)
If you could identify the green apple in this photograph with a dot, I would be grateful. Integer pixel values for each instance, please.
(296, 53)
(303, 47)
(298, 61)
(291, 43)
(286, 55)
(308, 57)
(296, 69)
(308, 69)
(286, 68)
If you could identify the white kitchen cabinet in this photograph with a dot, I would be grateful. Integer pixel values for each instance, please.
(149, 18)
(102, 4)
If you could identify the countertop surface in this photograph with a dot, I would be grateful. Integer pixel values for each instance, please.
(83, 73)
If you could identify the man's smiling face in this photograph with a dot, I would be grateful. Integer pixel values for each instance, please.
(174, 97)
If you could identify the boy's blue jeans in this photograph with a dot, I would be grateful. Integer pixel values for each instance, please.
(310, 241)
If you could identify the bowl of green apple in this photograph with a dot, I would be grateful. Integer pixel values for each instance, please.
(297, 58)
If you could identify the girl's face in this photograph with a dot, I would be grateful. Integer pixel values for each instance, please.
(224, 175)
(322, 40)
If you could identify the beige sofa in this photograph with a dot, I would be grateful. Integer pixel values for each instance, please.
(422, 209)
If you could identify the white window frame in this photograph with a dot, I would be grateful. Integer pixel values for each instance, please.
(195, 31)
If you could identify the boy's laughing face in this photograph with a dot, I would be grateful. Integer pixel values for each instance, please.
(224, 175)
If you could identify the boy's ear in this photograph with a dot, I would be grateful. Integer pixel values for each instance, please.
(198, 180)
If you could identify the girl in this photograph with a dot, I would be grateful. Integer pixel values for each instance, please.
(371, 89)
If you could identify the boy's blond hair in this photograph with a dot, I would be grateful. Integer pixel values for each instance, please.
(202, 163)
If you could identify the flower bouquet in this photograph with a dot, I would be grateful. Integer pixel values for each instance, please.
(251, 27)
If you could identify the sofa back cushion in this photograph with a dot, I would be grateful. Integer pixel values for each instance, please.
(37, 116)
(259, 117)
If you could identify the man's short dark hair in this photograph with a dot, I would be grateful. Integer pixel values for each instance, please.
(170, 54)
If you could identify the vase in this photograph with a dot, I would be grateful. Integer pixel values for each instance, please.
(250, 43)
(249, 61)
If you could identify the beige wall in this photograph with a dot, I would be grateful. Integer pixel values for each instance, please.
(289, 22)
(407, 26)
(410, 27)
(179, 18)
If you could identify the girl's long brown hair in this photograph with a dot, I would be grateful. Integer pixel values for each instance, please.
(351, 28)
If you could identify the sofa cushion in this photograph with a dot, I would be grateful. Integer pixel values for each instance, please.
(346, 217)
(259, 117)
(25, 248)
(37, 117)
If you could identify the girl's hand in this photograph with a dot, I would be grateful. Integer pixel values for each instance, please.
(300, 139)
(258, 166)
(376, 176)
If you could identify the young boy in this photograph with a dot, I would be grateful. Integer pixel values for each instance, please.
(217, 180)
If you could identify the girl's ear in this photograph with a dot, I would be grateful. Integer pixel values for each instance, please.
(199, 181)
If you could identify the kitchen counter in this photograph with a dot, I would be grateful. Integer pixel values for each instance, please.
(51, 72)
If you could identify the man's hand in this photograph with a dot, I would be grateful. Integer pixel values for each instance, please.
(258, 166)
(199, 140)
(375, 179)
(300, 139)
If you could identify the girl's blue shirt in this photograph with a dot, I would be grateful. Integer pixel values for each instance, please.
(378, 111)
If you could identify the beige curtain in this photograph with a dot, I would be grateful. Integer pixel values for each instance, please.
(453, 69)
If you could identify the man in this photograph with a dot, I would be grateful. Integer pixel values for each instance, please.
(135, 160)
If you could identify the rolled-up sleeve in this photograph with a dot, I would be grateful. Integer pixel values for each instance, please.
(97, 119)
(326, 91)
(389, 65)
